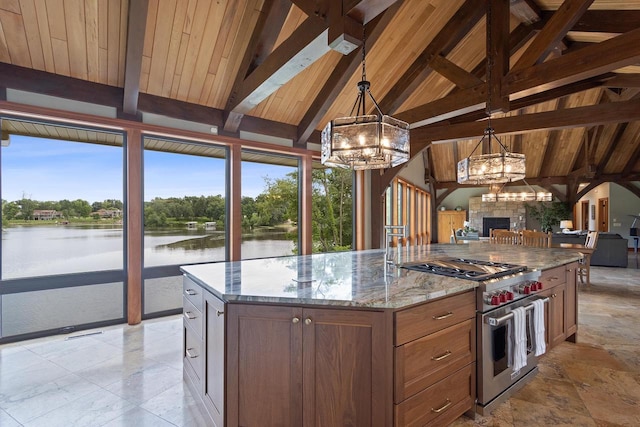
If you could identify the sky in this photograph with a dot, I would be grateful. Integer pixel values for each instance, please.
(44, 169)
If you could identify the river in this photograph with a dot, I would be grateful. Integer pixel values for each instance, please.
(29, 251)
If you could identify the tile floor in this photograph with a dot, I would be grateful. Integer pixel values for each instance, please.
(132, 375)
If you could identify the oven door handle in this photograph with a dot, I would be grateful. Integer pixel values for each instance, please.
(497, 321)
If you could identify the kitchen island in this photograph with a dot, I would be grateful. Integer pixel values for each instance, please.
(341, 338)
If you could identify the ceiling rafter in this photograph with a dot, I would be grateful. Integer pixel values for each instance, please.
(634, 156)
(553, 32)
(340, 75)
(587, 62)
(527, 11)
(605, 21)
(497, 49)
(455, 74)
(136, 28)
(263, 38)
(547, 156)
(572, 117)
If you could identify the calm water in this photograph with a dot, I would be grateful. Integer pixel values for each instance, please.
(58, 249)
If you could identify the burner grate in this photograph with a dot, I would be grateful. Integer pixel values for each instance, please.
(469, 269)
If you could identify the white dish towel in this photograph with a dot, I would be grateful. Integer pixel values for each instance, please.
(538, 327)
(519, 338)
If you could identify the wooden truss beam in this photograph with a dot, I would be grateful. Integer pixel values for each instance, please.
(135, 45)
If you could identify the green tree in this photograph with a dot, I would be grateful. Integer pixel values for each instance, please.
(549, 213)
(9, 210)
(81, 208)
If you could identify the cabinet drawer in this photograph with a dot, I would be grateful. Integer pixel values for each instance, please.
(192, 354)
(553, 277)
(441, 403)
(427, 360)
(192, 317)
(430, 317)
(192, 292)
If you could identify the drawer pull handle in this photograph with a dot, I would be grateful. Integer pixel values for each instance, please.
(189, 315)
(219, 313)
(191, 292)
(442, 356)
(553, 295)
(443, 316)
(190, 354)
(307, 321)
(551, 279)
(442, 408)
(295, 320)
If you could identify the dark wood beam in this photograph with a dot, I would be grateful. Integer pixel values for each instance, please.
(136, 28)
(611, 148)
(624, 81)
(527, 11)
(547, 156)
(317, 9)
(451, 34)
(634, 155)
(305, 45)
(635, 190)
(30, 80)
(455, 74)
(553, 32)
(585, 63)
(573, 117)
(497, 54)
(605, 21)
(340, 76)
(263, 38)
(3, 93)
(367, 10)
(560, 92)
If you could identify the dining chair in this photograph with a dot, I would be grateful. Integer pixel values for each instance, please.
(536, 239)
(584, 264)
(505, 237)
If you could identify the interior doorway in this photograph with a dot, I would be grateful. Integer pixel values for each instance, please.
(603, 215)
(584, 215)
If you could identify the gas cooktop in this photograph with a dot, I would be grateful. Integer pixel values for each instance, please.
(469, 269)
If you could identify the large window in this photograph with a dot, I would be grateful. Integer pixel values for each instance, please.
(269, 205)
(407, 205)
(184, 215)
(332, 218)
(62, 227)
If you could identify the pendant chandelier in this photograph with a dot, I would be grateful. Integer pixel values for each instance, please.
(365, 141)
(492, 168)
(495, 194)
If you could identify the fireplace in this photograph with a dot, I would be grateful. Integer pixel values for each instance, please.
(494, 223)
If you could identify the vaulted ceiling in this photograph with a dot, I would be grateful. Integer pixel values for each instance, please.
(564, 82)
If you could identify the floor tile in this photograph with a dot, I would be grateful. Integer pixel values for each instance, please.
(148, 383)
(138, 417)
(177, 406)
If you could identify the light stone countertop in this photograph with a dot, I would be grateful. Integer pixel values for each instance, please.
(359, 278)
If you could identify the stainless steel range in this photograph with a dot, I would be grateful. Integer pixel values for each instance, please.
(501, 288)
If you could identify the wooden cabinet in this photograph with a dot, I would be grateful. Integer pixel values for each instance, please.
(561, 320)
(294, 366)
(448, 220)
(434, 373)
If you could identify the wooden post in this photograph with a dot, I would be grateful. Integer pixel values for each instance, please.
(134, 226)
(235, 203)
(305, 226)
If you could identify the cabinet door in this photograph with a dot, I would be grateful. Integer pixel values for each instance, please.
(557, 327)
(347, 369)
(214, 312)
(571, 302)
(264, 365)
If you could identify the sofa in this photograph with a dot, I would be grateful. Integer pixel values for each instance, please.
(611, 249)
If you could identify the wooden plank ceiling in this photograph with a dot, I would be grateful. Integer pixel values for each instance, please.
(564, 85)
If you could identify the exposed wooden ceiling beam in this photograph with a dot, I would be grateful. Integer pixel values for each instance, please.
(451, 34)
(547, 182)
(305, 45)
(617, 112)
(527, 11)
(365, 11)
(624, 80)
(553, 32)
(340, 76)
(634, 154)
(605, 21)
(497, 48)
(587, 62)
(265, 33)
(30, 80)
(317, 9)
(459, 76)
(136, 28)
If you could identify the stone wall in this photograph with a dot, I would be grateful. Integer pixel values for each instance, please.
(515, 211)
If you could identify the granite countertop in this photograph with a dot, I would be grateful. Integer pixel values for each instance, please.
(359, 278)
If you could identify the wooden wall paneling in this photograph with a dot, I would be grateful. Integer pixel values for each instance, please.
(76, 38)
(32, 32)
(4, 48)
(92, 44)
(167, 14)
(113, 41)
(200, 21)
(16, 40)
